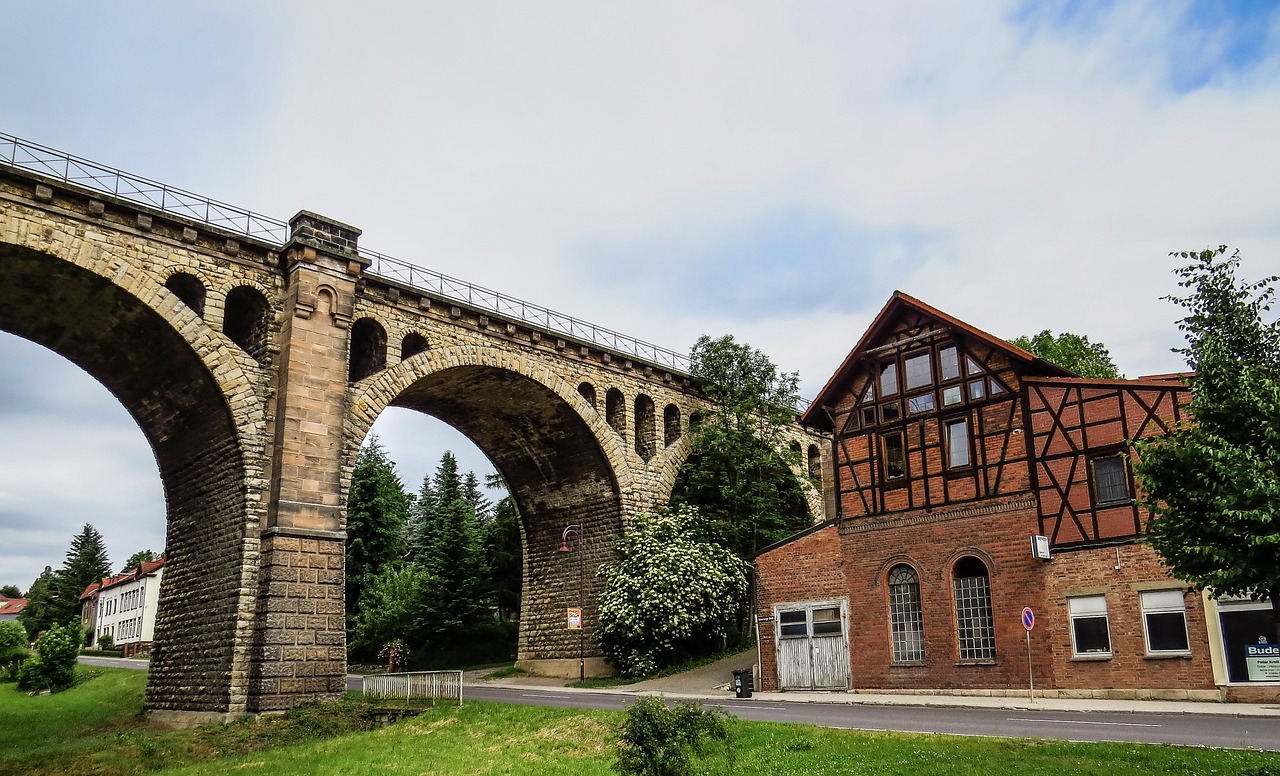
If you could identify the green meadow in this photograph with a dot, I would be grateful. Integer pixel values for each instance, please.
(98, 728)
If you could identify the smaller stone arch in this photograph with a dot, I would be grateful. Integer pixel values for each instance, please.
(646, 441)
(815, 462)
(188, 289)
(588, 392)
(412, 344)
(671, 431)
(615, 410)
(368, 349)
(246, 321)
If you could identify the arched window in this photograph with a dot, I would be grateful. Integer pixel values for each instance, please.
(412, 344)
(974, 626)
(906, 624)
(588, 392)
(246, 320)
(646, 427)
(615, 410)
(189, 289)
(671, 425)
(368, 349)
(815, 462)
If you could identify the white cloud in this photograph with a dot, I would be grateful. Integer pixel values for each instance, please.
(1020, 165)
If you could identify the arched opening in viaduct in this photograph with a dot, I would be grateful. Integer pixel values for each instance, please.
(140, 357)
(558, 474)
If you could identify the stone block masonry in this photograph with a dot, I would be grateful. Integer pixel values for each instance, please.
(256, 369)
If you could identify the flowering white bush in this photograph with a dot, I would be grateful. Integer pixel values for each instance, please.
(666, 591)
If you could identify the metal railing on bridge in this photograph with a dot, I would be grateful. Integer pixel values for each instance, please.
(120, 185)
(414, 686)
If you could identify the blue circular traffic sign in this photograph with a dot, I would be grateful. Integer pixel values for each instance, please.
(1028, 618)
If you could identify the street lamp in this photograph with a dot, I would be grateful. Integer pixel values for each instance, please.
(576, 531)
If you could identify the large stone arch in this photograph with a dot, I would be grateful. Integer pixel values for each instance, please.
(563, 463)
(76, 293)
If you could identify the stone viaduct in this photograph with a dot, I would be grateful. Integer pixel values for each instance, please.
(255, 355)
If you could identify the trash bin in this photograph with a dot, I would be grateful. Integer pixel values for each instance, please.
(743, 682)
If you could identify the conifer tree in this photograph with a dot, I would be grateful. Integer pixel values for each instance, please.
(38, 614)
(377, 510)
(86, 563)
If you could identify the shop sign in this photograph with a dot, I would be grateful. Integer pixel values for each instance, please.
(1263, 661)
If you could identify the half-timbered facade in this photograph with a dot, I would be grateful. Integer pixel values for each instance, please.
(973, 479)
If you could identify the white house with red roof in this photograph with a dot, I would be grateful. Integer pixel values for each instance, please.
(124, 607)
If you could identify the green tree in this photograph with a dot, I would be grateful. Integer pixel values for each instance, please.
(137, 559)
(1212, 483)
(668, 596)
(392, 605)
(39, 612)
(455, 558)
(421, 526)
(86, 563)
(740, 474)
(1072, 351)
(13, 647)
(10, 591)
(377, 510)
(504, 558)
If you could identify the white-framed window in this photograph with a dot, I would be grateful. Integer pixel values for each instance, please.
(1090, 631)
(975, 627)
(1164, 621)
(906, 623)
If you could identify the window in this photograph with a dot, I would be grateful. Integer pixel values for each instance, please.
(793, 623)
(952, 395)
(957, 443)
(826, 621)
(974, 626)
(888, 379)
(890, 412)
(950, 361)
(1110, 480)
(977, 389)
(906, 626)
(921, 403)
(919, 372)
(1164, 618)
(1090, 636)
(895, 459)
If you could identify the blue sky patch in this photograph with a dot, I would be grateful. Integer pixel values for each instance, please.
(1208, 41)
(788, 260)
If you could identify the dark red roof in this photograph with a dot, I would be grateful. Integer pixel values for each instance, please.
(12, 606)
(814, 415)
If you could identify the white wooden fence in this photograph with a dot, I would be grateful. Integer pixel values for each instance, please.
(419, 685)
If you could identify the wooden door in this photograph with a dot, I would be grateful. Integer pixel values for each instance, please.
(813, 646)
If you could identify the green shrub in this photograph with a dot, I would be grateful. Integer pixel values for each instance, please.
(13, 648)
(660, 741)
(105, 641)
(53, 667)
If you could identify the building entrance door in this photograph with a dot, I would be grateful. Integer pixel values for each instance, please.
(813, 646)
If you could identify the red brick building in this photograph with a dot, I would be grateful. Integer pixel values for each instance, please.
(973, 479)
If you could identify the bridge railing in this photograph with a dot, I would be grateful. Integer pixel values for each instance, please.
(414, 686)
(389, 268)
(87, 174)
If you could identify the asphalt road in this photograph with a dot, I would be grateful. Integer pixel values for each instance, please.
(1219, 731)
(1211, 730)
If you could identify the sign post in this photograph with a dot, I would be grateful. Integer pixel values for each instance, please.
(1029, 622)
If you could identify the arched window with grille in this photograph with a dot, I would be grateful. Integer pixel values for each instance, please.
(906, 623)
(974, 626)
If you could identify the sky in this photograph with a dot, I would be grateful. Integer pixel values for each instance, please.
(770, 170)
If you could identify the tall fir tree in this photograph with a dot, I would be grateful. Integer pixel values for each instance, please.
(86, 563)
(39, 614)
(421, 526)
(473, 492)
(377, 510)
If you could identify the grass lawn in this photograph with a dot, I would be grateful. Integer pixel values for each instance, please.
(96, 728)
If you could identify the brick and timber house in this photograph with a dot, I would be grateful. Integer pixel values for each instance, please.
(973, 479)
